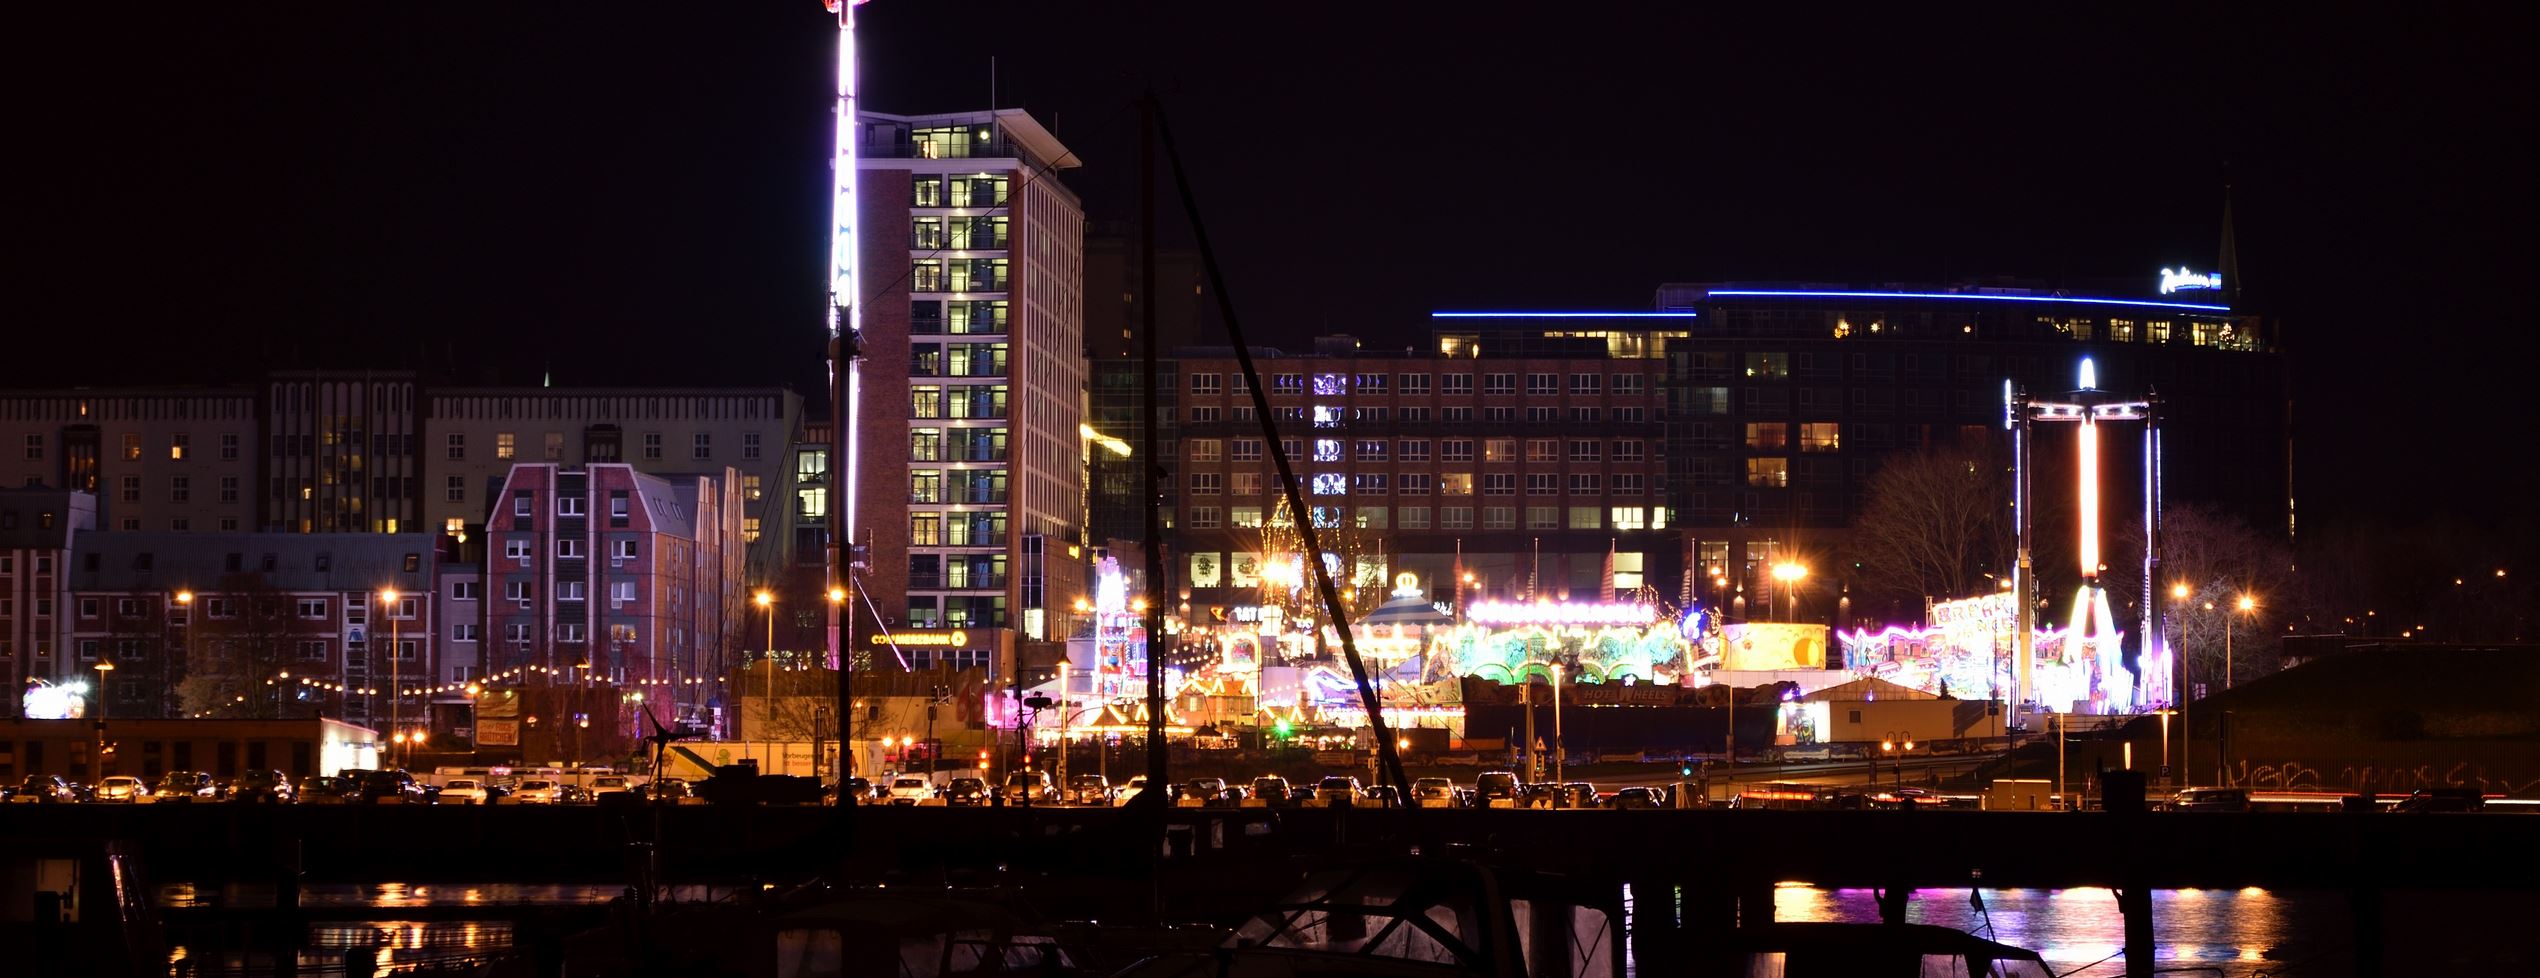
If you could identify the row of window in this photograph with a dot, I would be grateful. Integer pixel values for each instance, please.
(1325, 416)
(180, 489)
(523, 592)
(180, 447)
(1422, 483)
(957, 486)
(929, 401)
(1371, 384)
(959, 189)
(957, 233)
(1447, 517)
(957, 359)
(957, 444)
(983, 528)
(507, 446)
(569, 548)
(1494, 450)
(524, 504)
(1861, 400)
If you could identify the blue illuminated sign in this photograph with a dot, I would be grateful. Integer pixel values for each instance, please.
(1774, 294)
(1562, 315)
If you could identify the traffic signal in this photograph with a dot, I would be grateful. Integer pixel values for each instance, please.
(1283, 728)
(1684, 768)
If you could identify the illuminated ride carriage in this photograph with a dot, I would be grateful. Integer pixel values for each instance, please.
(1518, 642)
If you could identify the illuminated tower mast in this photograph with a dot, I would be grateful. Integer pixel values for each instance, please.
(2093, 628)
(846, 351)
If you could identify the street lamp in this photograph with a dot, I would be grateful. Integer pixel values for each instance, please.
(1559, 750)
(2186, 692)
(1790, 573)
(388, 606)
(97, 761)
(1893, 744)
(840, 610)
(2245, 605)
(766, 601)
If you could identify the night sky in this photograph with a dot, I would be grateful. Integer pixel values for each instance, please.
(635, 192)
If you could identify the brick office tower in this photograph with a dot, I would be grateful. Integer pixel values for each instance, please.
(970, 485)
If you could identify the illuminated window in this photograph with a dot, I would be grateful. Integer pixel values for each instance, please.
(1821, 436)
(1206, 449)
(1768, 366)
(506, 446)
(1247, 483)
(176, 446)
(1586, 517)
(1455, 484)
(1247, 517)
(1772, 473)
(132, 446)
(1767, 436)
(1499, 449)
(1330, 484)
(1330, 385)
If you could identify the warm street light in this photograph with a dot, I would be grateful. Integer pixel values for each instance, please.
(1790, 573)
(2246, 604)
(388, 606)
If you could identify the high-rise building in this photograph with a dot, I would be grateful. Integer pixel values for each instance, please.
(1787, 398)
(1525, 455)
(969, 486)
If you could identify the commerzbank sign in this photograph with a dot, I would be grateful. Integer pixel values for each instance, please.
(951, 639)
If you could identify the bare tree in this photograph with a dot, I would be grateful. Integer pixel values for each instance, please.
(2220, 559)
(1935, 523)
(242, 637)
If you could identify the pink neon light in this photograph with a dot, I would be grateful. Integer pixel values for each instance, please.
(2089, 499)
(1561, 613)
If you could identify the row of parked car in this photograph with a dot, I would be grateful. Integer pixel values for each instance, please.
(1267, 791)
(347, 787)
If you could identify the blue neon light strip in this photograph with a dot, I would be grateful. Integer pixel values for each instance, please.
(1961, 295)
(1562, 315)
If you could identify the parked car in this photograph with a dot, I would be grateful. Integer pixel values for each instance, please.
(668, 790)
(120, 788)
(1638, 797)
(324, 790)
(44, 789)
(909, 791)
(1338, 790)
(2442, 800)
(377, 787)
(966, 793)
(1089, 789)
(464, 791)
(1202, 791)
(858, 790)
(1272, 790)
(612, 784)
(1030, 788)
(2210, 800)
(539, 791)
(1433, 793)
(265, 786)
(184, 786)
(1579, 794)
(1137, 784)
(1384, 796)
(1494, 785)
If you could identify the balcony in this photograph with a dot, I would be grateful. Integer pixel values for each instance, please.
(999, 148)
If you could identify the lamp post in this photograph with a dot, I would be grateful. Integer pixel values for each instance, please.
(97, 761)
(185, 639)
(840, 610)
(397, 736)
(1065, 703)
(2245, 605)
(1559, 751)
(766, 601)
(1899, 744)
(2186, 692)
(2165, 744)
(2062, 803)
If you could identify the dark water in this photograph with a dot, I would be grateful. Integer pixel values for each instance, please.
(2230, 933)
(2244, 933)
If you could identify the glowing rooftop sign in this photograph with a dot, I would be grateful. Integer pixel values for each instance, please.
(1790, 294)
(2178, 279)
(1559, 613)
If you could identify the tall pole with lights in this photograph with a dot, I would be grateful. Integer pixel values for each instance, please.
(846, 388)
(2093, 622)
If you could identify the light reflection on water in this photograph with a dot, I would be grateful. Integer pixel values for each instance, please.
(2236, 933)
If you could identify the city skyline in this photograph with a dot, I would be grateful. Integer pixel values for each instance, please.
(637, 198)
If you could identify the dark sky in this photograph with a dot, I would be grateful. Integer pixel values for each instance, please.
(634, 192)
